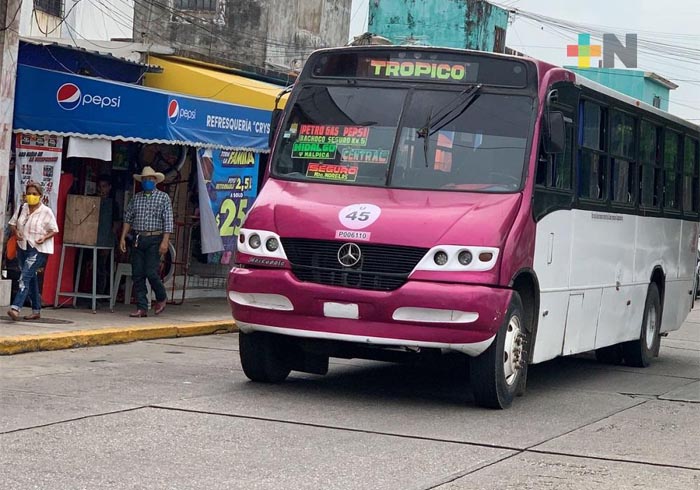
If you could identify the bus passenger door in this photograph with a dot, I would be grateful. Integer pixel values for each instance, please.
(553, 197)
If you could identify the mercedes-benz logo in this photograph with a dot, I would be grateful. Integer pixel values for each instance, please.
(349, 255)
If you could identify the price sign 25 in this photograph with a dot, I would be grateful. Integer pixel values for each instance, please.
(232, 214)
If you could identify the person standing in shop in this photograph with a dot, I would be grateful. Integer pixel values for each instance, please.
(150, 215)
(104, 191)
(35, 226)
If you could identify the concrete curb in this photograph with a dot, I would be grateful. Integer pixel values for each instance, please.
(107, 336)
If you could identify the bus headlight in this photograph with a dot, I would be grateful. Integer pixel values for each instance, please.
(465, 257)
(254, 241)
(458, 258)
(261, 243)
(272, 244)
(440, 258)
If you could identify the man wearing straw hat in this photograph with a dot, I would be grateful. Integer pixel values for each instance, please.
(150, 215)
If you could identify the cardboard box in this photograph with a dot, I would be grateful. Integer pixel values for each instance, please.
(82, 220)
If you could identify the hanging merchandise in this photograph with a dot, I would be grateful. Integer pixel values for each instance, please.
(38, 159)
(229, 179)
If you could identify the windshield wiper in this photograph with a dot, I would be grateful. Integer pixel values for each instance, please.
(424, 133)
(452, 110)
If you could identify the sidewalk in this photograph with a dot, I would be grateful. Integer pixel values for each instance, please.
(67, 328)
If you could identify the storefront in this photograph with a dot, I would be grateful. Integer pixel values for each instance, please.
(71, 129)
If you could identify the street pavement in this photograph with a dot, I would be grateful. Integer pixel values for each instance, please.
(179, 413)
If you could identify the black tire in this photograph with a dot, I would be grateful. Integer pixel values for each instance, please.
(611, 354)
(638, 353)
(498, 376)
(263, 357)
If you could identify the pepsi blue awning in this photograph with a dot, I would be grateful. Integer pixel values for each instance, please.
(50, 102)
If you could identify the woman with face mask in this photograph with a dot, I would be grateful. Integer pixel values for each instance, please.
(35, 226)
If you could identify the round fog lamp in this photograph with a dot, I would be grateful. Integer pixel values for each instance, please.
(465, 257)
(254, 241)
(272, 244)
(440, 258)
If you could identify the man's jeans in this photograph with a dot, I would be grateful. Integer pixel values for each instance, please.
(30, 261)
(145, 264)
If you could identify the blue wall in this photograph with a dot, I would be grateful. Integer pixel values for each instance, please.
(629, 82)
(467, 24)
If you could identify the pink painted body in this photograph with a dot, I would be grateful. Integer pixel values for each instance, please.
(416, 218)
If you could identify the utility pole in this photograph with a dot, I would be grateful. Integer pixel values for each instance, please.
(9, 47)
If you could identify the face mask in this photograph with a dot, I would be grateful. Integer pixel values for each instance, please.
(148, 185)
(33, 200)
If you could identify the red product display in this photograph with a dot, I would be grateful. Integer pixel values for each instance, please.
(48, 292)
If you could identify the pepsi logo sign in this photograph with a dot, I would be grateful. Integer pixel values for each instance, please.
(69, 96)
(176, 112)
(173, 111)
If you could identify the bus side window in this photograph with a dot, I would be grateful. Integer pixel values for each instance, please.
(561, 167)
(623, 143)
(593, 164)
(650, 164)
(555, 170)
(672, 170)
(691, 155)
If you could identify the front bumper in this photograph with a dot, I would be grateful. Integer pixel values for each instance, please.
(457, 317)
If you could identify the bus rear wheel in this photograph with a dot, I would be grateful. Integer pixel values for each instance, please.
(638, 353)
(499, 373)
(263, 357)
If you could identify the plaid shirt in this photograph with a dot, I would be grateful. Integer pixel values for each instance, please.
(150, 212)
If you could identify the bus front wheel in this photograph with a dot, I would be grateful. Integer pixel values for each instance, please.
(263, 357)
(499, 373)
(638, 353)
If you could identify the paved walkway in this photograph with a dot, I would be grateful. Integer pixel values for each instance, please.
(68, 327)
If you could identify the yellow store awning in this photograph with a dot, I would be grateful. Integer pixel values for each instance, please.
(198, 80)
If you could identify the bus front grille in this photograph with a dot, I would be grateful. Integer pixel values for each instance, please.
(380, 267)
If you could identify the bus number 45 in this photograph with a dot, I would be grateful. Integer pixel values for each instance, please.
(359, 216)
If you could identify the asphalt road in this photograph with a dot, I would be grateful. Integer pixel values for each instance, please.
(180, 414)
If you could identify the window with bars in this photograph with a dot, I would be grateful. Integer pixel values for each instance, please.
(672, 170)
(593, 172)
(650, 159)
(623, 142)
(690, 175)
(51, 7)
(199, 5)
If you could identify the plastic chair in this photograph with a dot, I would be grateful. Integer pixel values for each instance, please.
(124, 271)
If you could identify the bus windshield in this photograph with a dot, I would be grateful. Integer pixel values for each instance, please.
(406, 138)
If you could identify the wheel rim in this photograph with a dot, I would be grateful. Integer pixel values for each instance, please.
(651, 327)
(512, 351)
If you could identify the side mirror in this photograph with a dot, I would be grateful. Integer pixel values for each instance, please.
(274, 123)
(555, 133)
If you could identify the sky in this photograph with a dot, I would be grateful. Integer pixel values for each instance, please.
(663, 23)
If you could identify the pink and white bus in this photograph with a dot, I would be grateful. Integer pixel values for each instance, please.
(423, 200)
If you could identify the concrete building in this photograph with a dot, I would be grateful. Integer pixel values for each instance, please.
(272, 34)
(83, 20)
(470, 24)
(642, 85)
